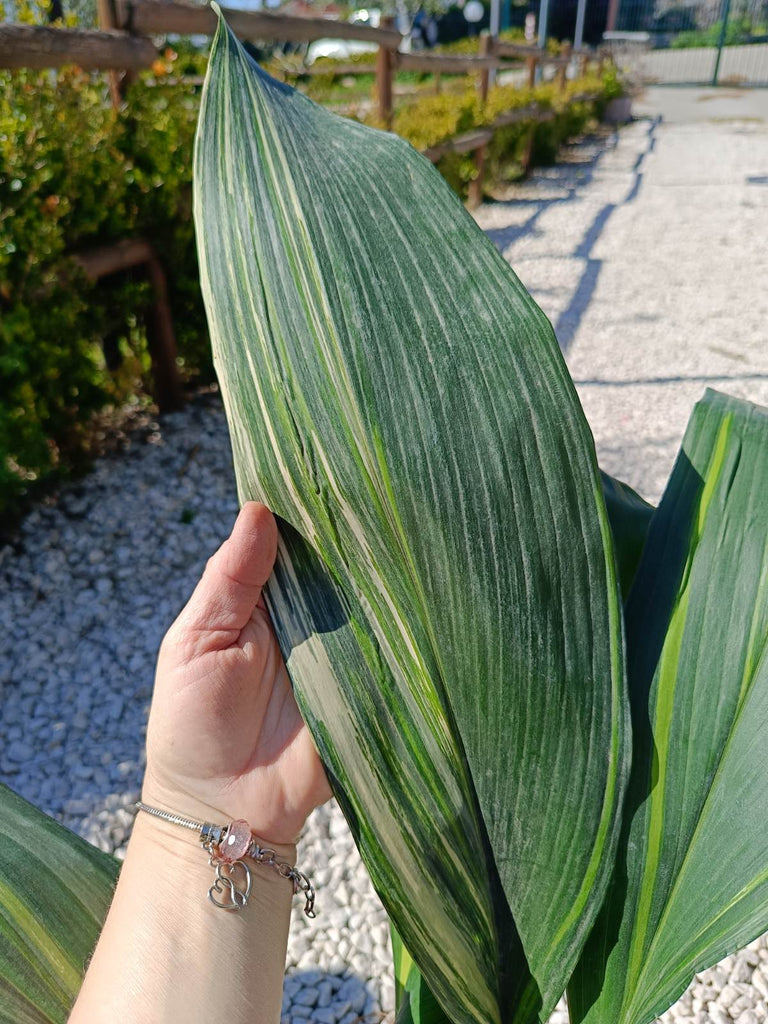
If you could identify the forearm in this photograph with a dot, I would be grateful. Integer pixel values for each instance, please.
(167, 954)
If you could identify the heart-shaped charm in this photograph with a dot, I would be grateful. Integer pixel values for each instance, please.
(226, 885)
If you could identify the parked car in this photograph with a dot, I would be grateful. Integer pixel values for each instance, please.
(344, 49)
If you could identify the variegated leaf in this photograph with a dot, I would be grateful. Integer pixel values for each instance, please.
(55, 890)
(445, 592)
(630, 517)
(691, 880)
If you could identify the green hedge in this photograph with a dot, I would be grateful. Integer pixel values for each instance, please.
(434, 119)
(74, 174)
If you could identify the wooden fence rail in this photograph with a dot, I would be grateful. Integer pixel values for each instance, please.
(123, 45)
(38, 46)
(445, 64)
(153, 17)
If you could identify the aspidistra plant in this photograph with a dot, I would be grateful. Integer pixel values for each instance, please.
(445, 592)
(690, 882)
(454, 577)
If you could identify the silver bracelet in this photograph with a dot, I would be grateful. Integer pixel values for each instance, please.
(226, 846)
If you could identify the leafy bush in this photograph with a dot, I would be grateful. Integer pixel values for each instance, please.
(739, 30)
(469, 44)
(432, 120)
(74, 174)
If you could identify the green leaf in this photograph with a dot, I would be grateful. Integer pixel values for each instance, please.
(414, 1003)
(629, 516)
(55, 891)
(445, 591)
(691, 882)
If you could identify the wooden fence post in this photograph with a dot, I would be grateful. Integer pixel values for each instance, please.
(108, 21)
(161, 341)
(562, 71)
(385, 65)
(484, 77)
(531, 63)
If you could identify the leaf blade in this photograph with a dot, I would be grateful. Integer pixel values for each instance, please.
(697, 623)
(422, 442)
(55, 890)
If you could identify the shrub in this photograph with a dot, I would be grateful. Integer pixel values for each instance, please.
(430, 121)
(739, 30)
(433, 119)
(73, 174)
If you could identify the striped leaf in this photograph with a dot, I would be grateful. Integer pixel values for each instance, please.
(630, 517)
(445, 592)
(691, 882)
(414, 1003)
(55, 890)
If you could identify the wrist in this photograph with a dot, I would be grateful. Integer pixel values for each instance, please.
(175, 859)
(178, 801)
(167, 953)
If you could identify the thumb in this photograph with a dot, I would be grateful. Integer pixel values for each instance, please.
(230, 588)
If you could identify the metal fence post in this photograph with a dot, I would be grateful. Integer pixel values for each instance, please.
(721, 40)
(562, 76)
(613, 15)
(578, 32)
(543, 27)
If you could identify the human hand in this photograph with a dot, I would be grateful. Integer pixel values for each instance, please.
(225, 738)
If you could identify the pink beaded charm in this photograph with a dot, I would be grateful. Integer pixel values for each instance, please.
(236, 843)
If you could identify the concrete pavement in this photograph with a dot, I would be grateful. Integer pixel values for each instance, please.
(648, 250)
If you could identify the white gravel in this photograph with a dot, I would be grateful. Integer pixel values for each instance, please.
(656, 282)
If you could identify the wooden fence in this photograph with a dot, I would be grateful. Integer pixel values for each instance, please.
(122, 46)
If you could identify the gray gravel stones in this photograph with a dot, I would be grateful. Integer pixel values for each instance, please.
(87, 591)
(94, 580)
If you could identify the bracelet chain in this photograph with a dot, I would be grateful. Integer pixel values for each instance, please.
(211, 836)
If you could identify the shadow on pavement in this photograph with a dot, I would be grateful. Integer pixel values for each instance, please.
(570, 178)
